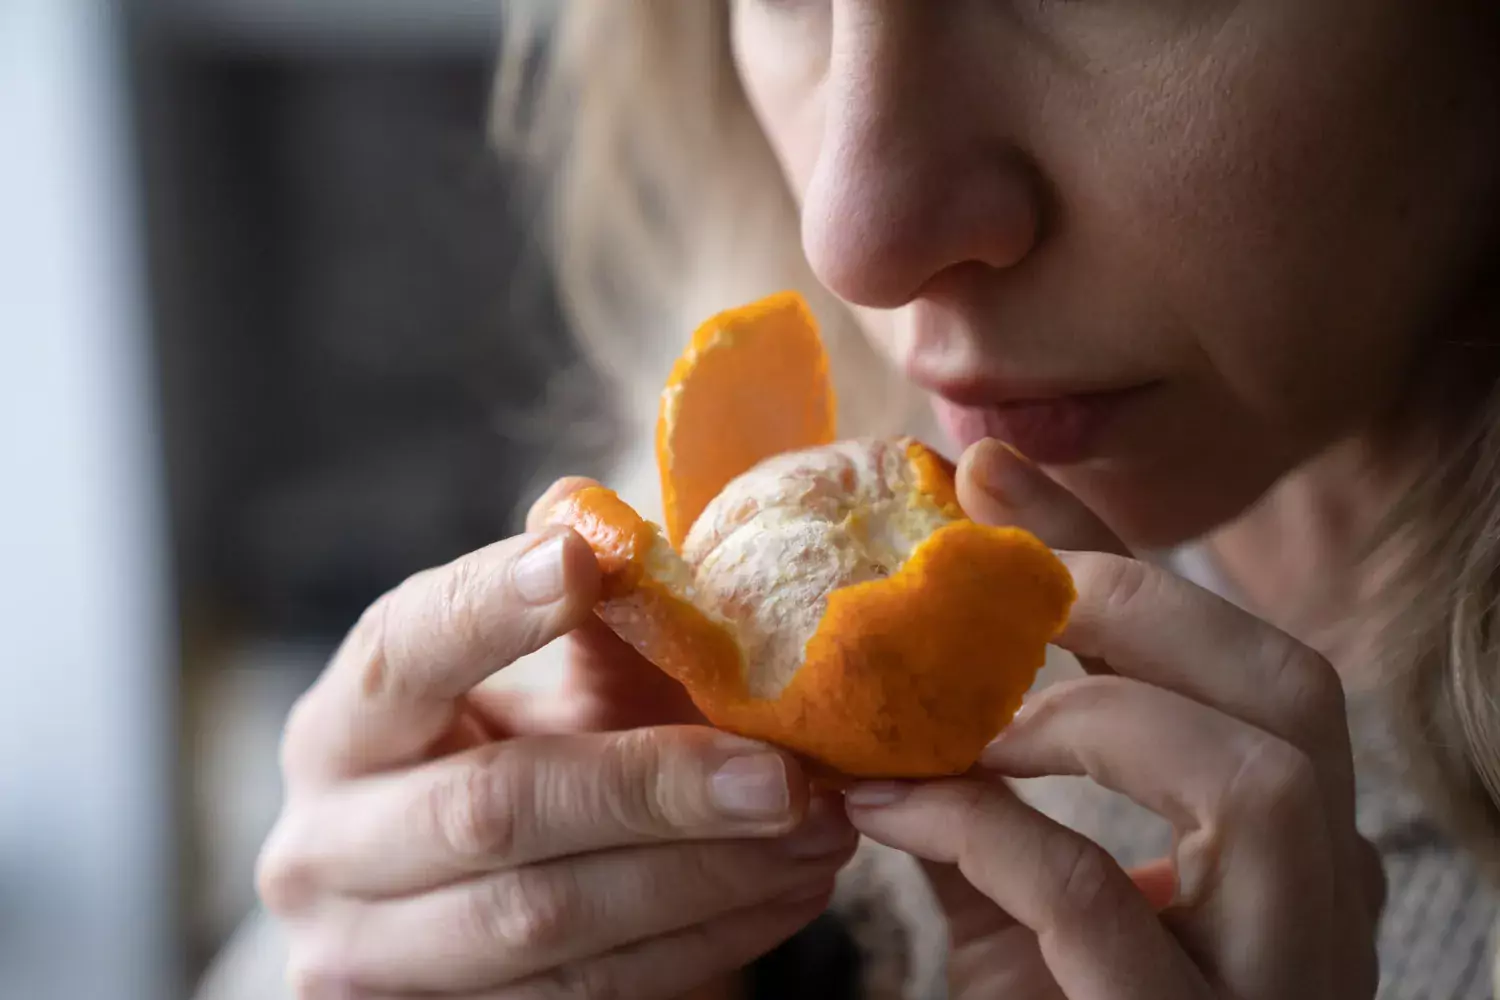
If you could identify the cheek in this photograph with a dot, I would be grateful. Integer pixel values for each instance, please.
(1306, 207)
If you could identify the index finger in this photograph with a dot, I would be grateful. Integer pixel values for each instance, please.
(392, 689)
(1153, 626)
(998, 485)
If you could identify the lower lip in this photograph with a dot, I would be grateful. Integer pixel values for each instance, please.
(1061, 431)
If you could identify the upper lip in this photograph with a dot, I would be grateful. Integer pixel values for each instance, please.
(945, 358)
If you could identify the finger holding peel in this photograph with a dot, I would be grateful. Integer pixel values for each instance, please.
(539, 516)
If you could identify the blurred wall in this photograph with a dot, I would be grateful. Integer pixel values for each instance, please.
(360, 365)
(87, 891)
(275, 331)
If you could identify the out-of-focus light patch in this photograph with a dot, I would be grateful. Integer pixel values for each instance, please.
(86, 668)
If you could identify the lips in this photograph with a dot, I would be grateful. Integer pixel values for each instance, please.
(1015, 388)
(1053, 430)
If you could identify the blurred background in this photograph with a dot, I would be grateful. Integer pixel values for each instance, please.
(275, 332)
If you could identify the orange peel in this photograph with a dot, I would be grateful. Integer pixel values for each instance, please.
(826, 596)
(752, 383)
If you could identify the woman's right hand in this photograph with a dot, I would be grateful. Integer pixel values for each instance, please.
(443, 841)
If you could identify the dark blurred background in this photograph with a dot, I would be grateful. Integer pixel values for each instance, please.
(276, 333)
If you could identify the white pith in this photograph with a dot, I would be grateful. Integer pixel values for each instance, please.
(763, 557)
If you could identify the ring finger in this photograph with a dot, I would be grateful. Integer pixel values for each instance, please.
(1255, 862)
(511, 925)
(666, 966)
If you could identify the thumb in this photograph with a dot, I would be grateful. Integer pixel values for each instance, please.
(607, 685)
(998, 485)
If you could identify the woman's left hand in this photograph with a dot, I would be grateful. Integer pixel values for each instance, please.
(1226, 727)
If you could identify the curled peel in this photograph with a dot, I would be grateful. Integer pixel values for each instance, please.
(752, 383)
(826, 596)
(833, 602)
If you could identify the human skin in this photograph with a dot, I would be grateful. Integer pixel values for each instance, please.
(1264, 211)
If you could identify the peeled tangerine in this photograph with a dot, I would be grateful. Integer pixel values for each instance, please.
(826, 596)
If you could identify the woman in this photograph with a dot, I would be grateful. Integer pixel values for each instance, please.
(1220, 271)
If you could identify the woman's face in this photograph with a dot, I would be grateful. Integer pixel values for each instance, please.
(1168, 248)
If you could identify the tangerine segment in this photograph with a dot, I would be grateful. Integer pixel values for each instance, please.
(752, 383)
(645, 590)
(911, 676)
(769, 550)
(829, 604)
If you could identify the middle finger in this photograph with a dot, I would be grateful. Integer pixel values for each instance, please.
(1254, 861)
(510, 804)
(507, 926)
(1153, 626)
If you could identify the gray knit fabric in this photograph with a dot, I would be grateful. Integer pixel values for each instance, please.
(1437, 935)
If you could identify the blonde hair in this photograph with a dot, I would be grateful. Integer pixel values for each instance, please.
(669, 205)
(664, 199)
(1442, 649)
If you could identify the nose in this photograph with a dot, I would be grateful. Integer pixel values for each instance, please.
(916, 176)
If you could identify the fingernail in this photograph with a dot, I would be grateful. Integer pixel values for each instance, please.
(874, 794)
(825, 831)
(539, 575)
(1005, 473)
(752, 787)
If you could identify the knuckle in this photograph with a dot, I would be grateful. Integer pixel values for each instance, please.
(471, 604)
(1119, 581)
(638, 789)
(459, 595)
(1084, 877)
(284, 877)
(527, 911)
(971, 812)
(1078, 694)
(575, 981)
(732, 874)
(376, 644)
(976, 836)
(1276, 781)
(1307, 683)
(312, 975)
(474, 811)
